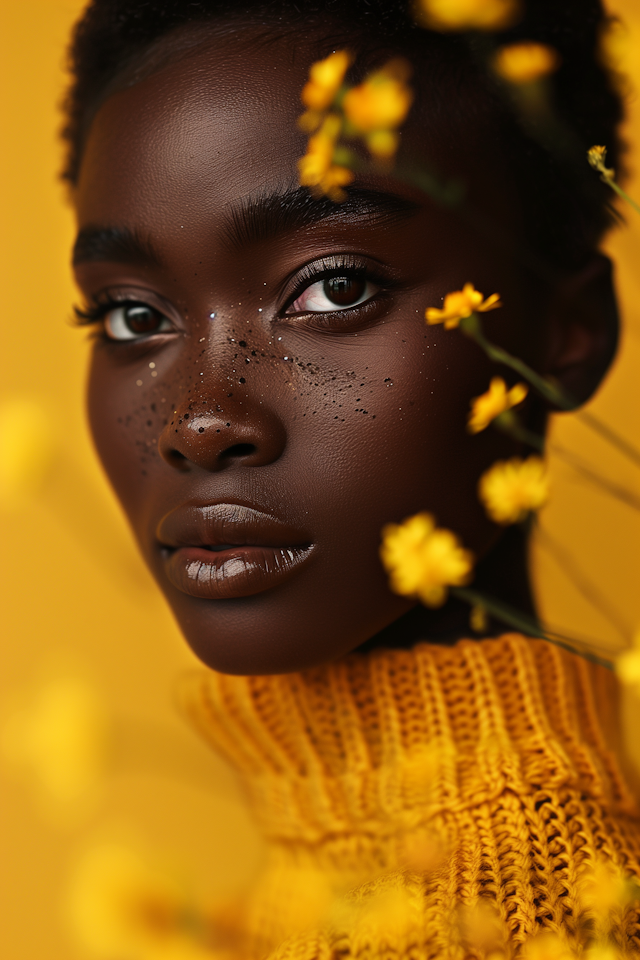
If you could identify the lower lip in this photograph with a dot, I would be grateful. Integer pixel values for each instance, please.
(233, 572)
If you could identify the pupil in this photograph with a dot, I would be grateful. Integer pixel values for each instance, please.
(344, 290)
(142, 319)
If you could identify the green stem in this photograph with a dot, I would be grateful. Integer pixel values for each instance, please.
(527, 625)
(471, 327)
(621, 193)
(509, 423)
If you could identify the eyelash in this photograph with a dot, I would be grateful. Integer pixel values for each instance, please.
(348, 266)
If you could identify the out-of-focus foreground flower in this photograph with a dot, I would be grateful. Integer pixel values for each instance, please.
(62, 738)
(496, 401)
(119, 905)
(317, 169)
(376, 108)
(455, 15)
(26, 448)
(423, 560)
(460, 304)
(627, 665)
(512, 489)
(526, 62)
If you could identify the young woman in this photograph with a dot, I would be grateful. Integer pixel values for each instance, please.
(265, 396)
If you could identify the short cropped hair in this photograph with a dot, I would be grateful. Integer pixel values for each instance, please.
(566, 208)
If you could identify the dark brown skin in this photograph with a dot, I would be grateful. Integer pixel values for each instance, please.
(335, 423)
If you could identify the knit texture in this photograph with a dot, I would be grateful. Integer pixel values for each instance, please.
(398, 788)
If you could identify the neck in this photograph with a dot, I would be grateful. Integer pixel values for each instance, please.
(502, 575)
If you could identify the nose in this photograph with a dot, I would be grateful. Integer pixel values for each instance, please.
(205, 434)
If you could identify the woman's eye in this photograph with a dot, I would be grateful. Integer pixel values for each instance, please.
(134, 320)
(334, 293)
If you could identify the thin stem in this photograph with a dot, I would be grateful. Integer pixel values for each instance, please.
(470, 326)
(621, 193)
(508, 423)
(527, 625)
(584, 584)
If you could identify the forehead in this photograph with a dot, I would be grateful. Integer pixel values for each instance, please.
(217, 123)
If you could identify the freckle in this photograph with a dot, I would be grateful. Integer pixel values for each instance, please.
(242, 380)
(217, 431)
(138, 383)
(186, 416)
(149, 423)
(227, 424)
(242, 343)
(229, 394)
(200, 429)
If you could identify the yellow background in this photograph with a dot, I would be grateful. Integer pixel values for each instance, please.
(93, 612)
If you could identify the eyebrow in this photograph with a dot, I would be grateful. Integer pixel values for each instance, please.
(257, 219)
(268, 216)
(117, 244)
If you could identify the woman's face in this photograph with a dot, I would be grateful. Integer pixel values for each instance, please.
(264, 393)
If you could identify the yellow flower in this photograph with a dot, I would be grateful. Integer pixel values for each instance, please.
(525, 62)
(596, 157)
(119, 905)
(62, 737)
(27, 448)
(604, 889)
(496, 400)
(627, 665)
(460, 304)
(423, 560)
(452, 15)
(511, 489)
(317, 169)
(478, 619)
(380, 105)
(325, 79)
(547, 946)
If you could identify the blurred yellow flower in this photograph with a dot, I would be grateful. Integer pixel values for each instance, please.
(119, 905)
(603, 889)
(511, 489)
(63, 738)
(525, 62)
(596, 157)
(378, 106)
(317, 169)
(627, 665)
(423, 560)
(547, 946)
(325, 79)
(496, 400)
(460, 304)
(478, 619)
(26, 447)
(453, 15)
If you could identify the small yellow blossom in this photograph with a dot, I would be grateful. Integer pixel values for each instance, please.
(423, 560)
(454, 15)
(62, 737)
(377, 107)
(525, 62)
(596, 157)
(460, 304)
(482, 928)
(325, 79)
(478, 619)
(496, 400)
(120, 905)
(604, 889)
(27, 448)
(511, 489)
(547, 946)
(627, 665)
(317, 169)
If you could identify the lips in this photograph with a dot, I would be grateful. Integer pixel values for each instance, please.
(224, 550)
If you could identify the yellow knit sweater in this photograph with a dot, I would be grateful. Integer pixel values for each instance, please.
(398, 789)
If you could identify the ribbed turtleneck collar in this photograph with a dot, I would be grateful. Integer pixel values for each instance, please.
(377, 743)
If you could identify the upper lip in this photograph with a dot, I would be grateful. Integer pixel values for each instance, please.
(234, 524)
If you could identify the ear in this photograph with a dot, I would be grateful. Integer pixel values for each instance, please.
(583, 328)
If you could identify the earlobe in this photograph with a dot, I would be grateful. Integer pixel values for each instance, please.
(583, 328)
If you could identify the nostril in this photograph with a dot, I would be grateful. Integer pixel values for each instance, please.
(238, 451)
